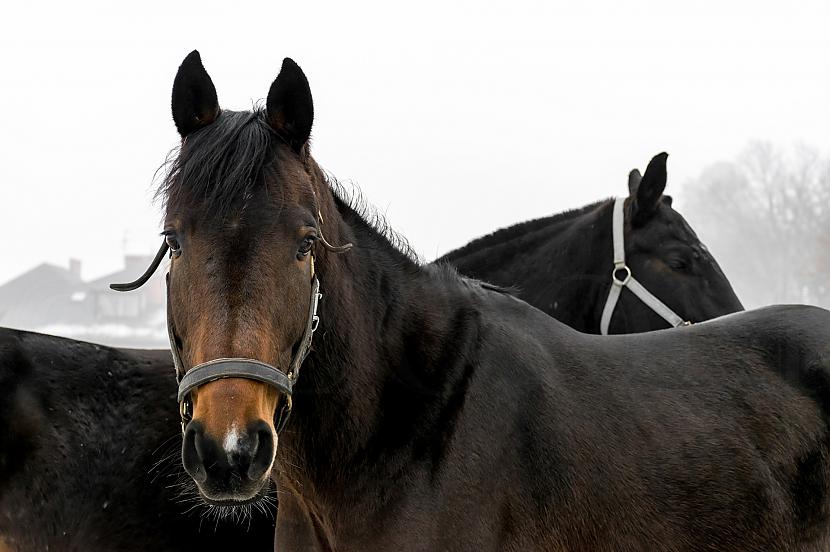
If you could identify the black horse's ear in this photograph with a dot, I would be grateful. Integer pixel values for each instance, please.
(289, 107)
(634, 178)
(650, 190)
(194, 97)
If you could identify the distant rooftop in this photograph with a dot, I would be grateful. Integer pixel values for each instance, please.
(54, 299)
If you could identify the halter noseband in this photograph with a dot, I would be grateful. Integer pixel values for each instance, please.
(246, 368)
(629, 281)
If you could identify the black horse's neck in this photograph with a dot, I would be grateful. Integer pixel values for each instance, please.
(386, 376)
(565, 260)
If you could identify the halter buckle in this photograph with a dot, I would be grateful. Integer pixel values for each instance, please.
(185, 412)
(282, 415)
(315, 320)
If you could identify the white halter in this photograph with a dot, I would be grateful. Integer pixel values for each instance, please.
(632, 284)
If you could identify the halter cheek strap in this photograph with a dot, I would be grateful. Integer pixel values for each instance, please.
(621, 277)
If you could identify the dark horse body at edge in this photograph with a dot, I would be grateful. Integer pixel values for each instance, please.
(89, 454)
(437, 413)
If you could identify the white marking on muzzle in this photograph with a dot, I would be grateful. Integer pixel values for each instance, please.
(232, 443)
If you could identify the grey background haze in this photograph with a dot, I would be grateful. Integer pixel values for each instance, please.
(453, 119)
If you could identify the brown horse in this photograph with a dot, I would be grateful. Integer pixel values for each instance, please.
(438, 413)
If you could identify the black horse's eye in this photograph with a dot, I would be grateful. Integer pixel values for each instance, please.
(678, 263)
(173, 244)
(305, 247)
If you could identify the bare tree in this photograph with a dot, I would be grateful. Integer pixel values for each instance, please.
(766, 217)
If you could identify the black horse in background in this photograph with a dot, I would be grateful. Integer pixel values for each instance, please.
(90, 454)
(562, 264)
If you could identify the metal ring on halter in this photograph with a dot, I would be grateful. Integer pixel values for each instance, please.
(186, 410)
(627, 278)
(185, 413)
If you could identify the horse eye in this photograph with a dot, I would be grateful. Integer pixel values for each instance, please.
(305, 247)
(678, 264)
(173, 244)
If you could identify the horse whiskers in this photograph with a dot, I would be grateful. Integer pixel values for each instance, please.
(188, 495)
(196, 505)
(166, 463)
(236, 514)
(167, 458)
(165, 443)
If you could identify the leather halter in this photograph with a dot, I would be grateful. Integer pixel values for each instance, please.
(246, 368)
(629, 281)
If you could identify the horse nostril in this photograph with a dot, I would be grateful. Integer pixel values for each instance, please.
(191, 456)
(239, 458)
(262, 451)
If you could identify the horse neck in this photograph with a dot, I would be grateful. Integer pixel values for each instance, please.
(384, 360)
(561, 264)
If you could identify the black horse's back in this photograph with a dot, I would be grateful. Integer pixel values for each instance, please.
(653, 420)
(89, 455)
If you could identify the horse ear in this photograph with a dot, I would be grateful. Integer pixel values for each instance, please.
(194, 100)
(289, 108)
(650, 190)
(634, 178)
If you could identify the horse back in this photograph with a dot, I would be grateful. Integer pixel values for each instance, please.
(718, 429)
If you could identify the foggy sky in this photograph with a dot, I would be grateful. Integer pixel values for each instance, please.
(453, 118)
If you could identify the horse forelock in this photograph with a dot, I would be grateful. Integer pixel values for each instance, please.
(221, 166)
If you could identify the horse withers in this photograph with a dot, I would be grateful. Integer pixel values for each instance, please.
(565, 265)
(437, 413)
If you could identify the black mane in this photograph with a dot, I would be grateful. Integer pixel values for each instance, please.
(366, 215)
(220, 165)
(519, 229)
